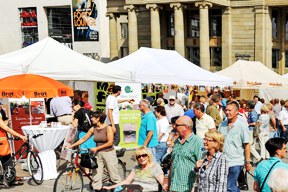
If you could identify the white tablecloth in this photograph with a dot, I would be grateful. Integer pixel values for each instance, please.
(45, 144)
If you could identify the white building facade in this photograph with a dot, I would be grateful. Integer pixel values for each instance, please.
(26, 22)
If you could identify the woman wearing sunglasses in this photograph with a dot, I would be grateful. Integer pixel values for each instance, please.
(146, 173)
(213, 169)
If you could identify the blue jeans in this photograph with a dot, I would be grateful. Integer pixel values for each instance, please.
(153, 152)
(161, 151)
(233, 175)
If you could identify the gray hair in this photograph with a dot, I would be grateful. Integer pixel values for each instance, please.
(278, 180)
(145, 102)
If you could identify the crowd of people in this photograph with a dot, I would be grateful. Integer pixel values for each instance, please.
(210, 141)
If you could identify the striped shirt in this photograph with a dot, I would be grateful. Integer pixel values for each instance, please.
(184, 157)
(213, 175)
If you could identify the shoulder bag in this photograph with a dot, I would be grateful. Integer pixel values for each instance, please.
(268, 175)
(88, 160)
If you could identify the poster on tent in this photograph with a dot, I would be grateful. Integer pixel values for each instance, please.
(85, 20)
(129, 128)
(19, 113)
(101, 92)
(131, 91)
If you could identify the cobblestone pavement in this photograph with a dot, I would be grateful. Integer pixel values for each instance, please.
(47, 186)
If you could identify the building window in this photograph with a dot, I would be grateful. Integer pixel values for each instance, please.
(59, 25)
(124, 51)
(193, 23)
(193, 55)
(275, 58)
(275, 24)
(216, 56)
(286, 59)
(286, 28)
(170, 48)
(170, 24)
(215, 22)
(124, 30)
(29, 26)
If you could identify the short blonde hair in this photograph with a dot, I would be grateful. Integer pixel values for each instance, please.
(218, 137)
(269, 105)
(143, 150)
(265, 109)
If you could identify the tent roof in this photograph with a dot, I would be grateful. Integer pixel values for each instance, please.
(150, 65)
(52, 59)
(253, 75)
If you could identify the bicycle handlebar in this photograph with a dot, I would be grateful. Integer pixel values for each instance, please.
(17, 138)
(38, 135)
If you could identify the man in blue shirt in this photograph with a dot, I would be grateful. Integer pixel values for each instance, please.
(148, 130)
(277, 150)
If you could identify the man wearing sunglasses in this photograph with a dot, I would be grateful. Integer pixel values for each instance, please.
(186, 152)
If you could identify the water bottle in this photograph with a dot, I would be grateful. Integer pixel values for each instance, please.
(119, 188)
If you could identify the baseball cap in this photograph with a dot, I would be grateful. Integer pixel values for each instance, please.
(172, 97)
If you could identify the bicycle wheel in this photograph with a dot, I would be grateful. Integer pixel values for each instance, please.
(70, 179)
(35, 167)
(121, 169)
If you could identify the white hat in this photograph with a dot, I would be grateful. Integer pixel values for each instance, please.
(172, 97)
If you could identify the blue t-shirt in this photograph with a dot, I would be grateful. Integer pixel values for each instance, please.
(262, 170)
(148, 123)
(190, 113)
(252, 117)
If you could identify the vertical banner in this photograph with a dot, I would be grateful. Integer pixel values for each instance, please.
(102, 90)
(129, 128)
(85, 20)
(19, 109)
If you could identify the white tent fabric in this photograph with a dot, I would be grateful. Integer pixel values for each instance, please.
(150, 65)
(253, 75)
(52, 59)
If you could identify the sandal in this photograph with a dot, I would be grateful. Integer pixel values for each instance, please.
(19, 178)
(16, 183)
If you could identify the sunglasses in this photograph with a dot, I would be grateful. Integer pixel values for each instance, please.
(143, 155)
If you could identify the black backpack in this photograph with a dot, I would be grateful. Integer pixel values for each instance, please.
(87, 122)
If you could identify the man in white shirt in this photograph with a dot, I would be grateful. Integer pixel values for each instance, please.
(112, 112)
(204, 122)
(173, 109)
(283, 120)
(61, 107)
(258, 105)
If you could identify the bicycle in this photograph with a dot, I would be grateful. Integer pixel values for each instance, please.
(8, 171)
(71, 178)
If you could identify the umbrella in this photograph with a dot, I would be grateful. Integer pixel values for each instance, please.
(32, 86)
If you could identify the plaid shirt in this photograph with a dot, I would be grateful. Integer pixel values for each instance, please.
(214, 177)
(184, 157)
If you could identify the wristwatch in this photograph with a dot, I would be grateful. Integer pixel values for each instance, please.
(247, 162)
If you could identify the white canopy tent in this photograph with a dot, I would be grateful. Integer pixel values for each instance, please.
(150, 65)
(253, 75)
(52, 59)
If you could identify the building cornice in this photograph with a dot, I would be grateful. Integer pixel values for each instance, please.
(143, 2)
(277, 2)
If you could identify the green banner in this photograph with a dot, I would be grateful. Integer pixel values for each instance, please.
(129, 128)
(102, 90)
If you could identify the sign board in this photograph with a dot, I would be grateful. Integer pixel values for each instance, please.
(130, 91)
(85, 20)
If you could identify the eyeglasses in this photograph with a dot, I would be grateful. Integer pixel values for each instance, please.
(143, 155)
(171, 99)
(209, 140)
(284, 148)
(178, 125)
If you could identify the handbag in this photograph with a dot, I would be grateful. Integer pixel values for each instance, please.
(88, 160)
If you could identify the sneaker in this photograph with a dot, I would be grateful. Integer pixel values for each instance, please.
(243, 187)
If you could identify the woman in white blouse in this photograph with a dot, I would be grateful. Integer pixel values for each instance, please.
(163, 132)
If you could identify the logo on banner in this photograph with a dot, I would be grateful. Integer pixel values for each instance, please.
(63, 93)
(40, 94)
(7, 94)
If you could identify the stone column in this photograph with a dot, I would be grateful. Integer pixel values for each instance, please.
(113, 35)
(179, 27)
(260, 34)
(204, 34)
(226, 38)
(132, 28)
(155, 25)
(282, 41)
(269, 43)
